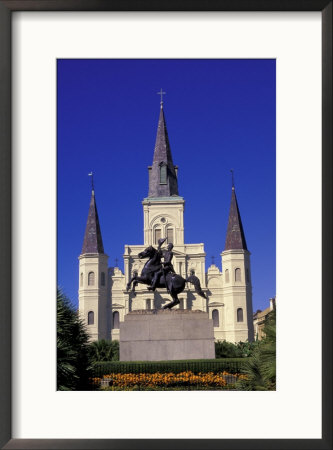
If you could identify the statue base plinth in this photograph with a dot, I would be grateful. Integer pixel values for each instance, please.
(160, 335)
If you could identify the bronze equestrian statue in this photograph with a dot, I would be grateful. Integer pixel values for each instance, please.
(166, 268)
(162, 275)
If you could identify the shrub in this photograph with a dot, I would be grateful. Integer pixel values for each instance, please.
(247, 348)
(224, 349)
(103, 350)
(232, 365)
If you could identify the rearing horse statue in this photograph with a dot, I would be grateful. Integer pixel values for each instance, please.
(174, 283)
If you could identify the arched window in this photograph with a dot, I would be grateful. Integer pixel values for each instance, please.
(215, 317)
(91, 318)
(238, 274)
(239, 315)
(158, 235)
(115, 320)
(81, 279)
(169, 234)
(91, 278)
(148, 303)
(102, 279)
(226, 274)
(163, 173)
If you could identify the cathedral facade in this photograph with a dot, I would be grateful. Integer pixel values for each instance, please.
(103, 297)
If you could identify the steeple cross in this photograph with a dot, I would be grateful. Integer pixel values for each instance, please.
(92, 180)
(161, 93)
(232, 178)
(116, 261)
(213, 259)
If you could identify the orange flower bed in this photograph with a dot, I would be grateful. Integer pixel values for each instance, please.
(124, 380)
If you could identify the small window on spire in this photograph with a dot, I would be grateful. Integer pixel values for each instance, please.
(239, 315)
(91, 279)
(163, 173)
(91, 318)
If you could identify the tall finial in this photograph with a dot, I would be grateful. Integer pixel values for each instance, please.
(232, 178)
(213, 260)
(161, 93)
(92, 181)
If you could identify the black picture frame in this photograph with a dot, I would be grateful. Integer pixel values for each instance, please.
(6, 9)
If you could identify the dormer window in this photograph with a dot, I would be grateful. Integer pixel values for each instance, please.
(163, 173)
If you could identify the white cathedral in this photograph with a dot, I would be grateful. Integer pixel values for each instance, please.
(103, 298)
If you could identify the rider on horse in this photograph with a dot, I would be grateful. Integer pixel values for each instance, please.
(153, 270)
(166, 268)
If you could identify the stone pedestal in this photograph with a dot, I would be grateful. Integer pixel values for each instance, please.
(160, 335)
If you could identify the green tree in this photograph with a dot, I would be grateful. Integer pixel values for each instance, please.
(103, 350)
(73, 368)
(260, 370)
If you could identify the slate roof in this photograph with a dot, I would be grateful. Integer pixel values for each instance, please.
(235, 239)
(92, 242)
(162, 154)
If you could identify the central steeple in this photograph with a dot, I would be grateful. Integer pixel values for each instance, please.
(163, 173)
(163, 209)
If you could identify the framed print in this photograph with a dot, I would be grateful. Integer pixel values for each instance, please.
(39, 40)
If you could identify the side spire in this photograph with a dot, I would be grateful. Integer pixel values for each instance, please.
(235, 239)
(92, 242)
(162, 174)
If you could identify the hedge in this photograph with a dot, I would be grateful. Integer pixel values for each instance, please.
(231, 365)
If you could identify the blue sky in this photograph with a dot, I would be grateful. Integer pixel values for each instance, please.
(220, 115)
